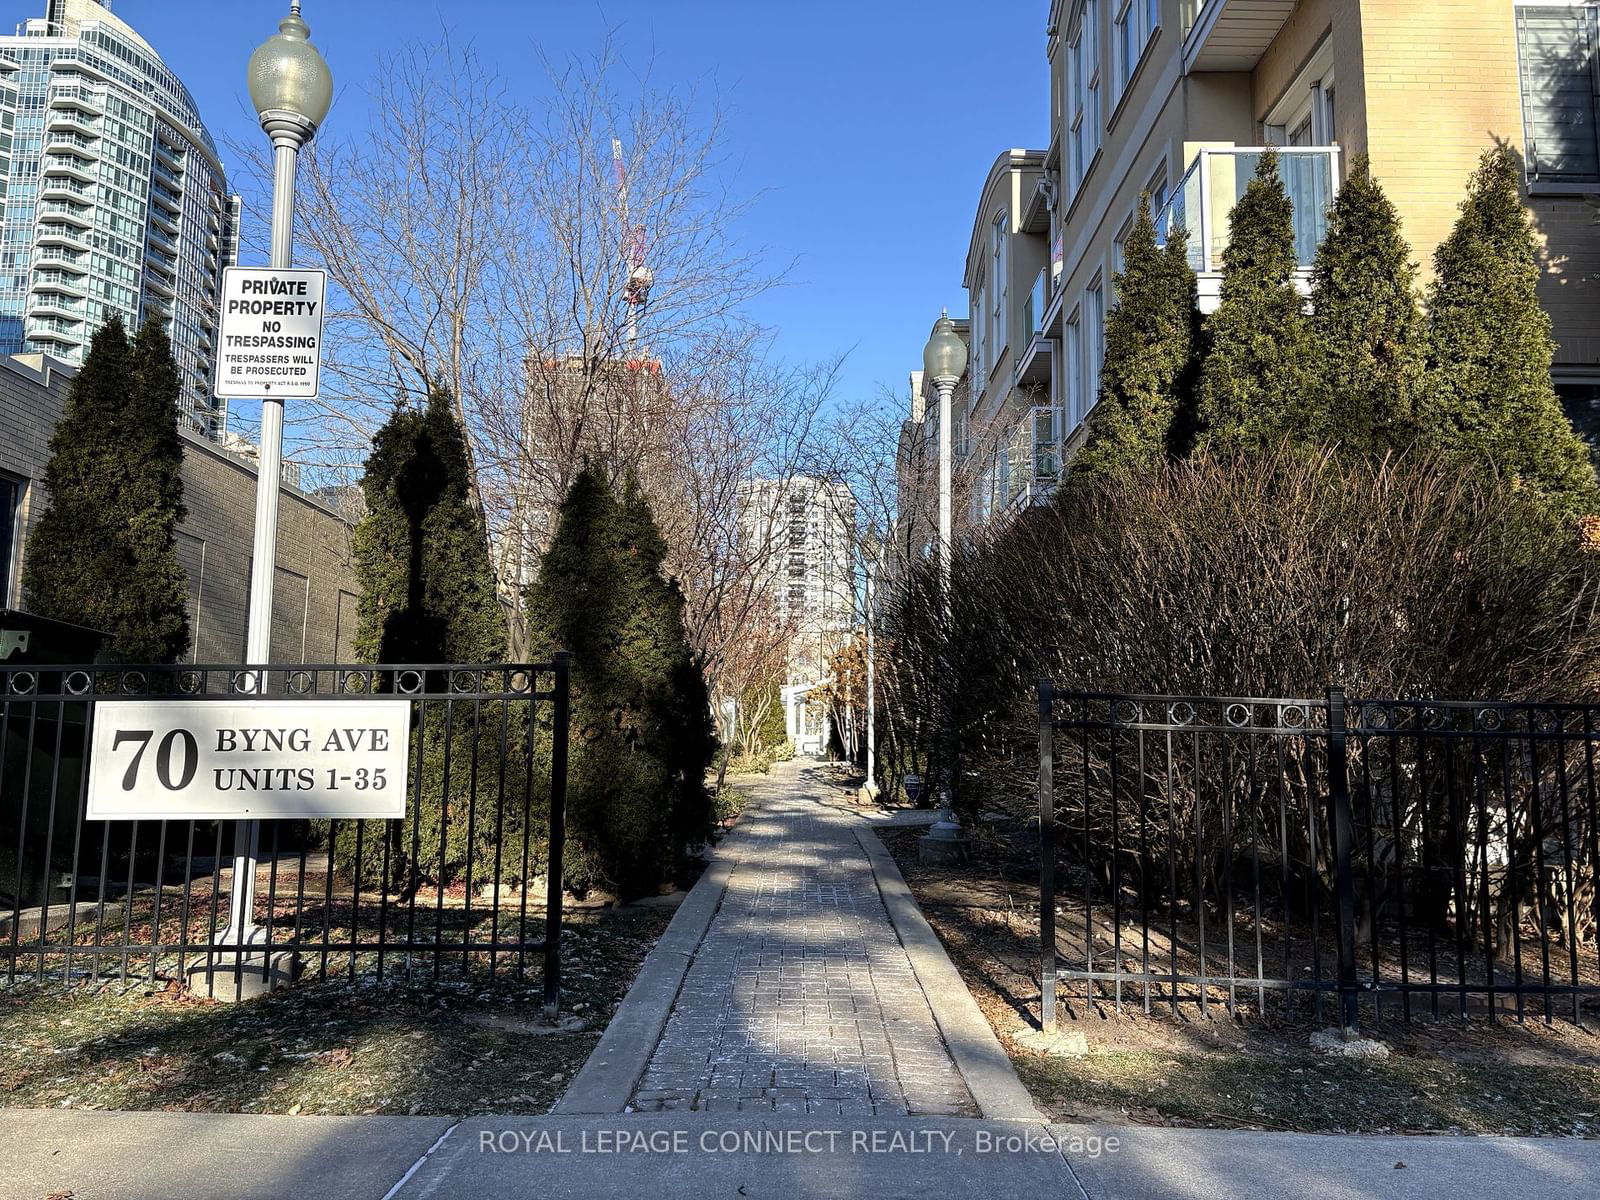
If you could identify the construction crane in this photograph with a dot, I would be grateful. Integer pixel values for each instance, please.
(635, 252)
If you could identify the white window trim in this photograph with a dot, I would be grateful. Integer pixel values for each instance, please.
(1094, 342)
(1137, 14)
(1305, 97)
(1159, 188)
(1000, 254)
(1119, 244)
(1072, 368)
(1085, 88)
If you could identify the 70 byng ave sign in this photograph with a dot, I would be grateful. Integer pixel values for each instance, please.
(182, 760)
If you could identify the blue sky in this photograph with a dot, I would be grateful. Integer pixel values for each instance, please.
(858, 120)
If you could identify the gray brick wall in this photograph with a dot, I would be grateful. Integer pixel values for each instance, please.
(314, 593)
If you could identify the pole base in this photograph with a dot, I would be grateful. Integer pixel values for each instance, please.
(936, 850)
(242, 976)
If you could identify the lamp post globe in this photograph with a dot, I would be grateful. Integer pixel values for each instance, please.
(290, 82)
(945, 356)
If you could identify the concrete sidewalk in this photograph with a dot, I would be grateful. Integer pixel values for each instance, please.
(696, 1156)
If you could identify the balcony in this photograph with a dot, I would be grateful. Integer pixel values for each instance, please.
(154, 283)
(87, 148)
(61, 235)
(1230, 35)
(66, 260)
(56, 280)
(175, 182)
(169, 155)
(70, 120)
(57, 305)
(65, 189)
(166, 199)
(55, 165)
(80, 215)
(164, 221)
(1204, 200)
(1032, 465)
(84, 100)
(1033, 367)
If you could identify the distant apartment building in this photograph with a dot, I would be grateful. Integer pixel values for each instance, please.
(802, 533)
(115, 201)
(1178, 98)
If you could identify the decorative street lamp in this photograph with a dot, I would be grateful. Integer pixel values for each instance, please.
(292, 90)
(944, 361)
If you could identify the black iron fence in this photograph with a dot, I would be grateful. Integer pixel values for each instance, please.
(1305, 857)
(468, 883)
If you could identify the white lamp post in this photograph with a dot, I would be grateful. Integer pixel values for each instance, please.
(292, 90)
(944, 361)
(874, 569)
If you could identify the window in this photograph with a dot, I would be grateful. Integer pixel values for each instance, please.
(1580, 397)
(1556, 61)
(998, 286)
(1132, 28)
(1119, 248)
(976, 337)
(1160, 197)
(1304, 116)
(10, 502)
(1094, 334)
(1124, 38)
(1083, 90)
(1074, 370)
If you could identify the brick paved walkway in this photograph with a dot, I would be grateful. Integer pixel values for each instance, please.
(800, 998)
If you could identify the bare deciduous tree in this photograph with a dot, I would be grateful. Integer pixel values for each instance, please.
(567, 265)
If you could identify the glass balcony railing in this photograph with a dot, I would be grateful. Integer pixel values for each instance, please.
(1030, 465)
(1038, 301)
(1203, 202)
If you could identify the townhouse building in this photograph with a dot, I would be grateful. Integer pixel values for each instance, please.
(1178, 99)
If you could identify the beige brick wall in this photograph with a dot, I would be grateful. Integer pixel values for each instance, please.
(1441, 87)
(1424, 89)
(1300, 38)
(315, 590)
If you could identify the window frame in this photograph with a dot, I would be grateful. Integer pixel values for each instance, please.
(999, 253)
(1133, 27)
(11, 538)
(1072, 371)
(1084, 78)
(1309, 98)
(1536, 180)
(1094, 339)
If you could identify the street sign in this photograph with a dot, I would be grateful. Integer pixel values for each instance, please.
(271, 333)
(180, 760)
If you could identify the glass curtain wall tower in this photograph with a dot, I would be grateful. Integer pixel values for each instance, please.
(115, 201)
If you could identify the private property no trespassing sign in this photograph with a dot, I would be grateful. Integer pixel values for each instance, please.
(271, 333)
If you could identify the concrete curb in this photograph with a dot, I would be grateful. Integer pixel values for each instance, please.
(978, 1055)
(614, 1067)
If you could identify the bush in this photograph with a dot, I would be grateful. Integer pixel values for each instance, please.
(480, 836)
(104, 552)
(641, 719)
(1270, 575)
